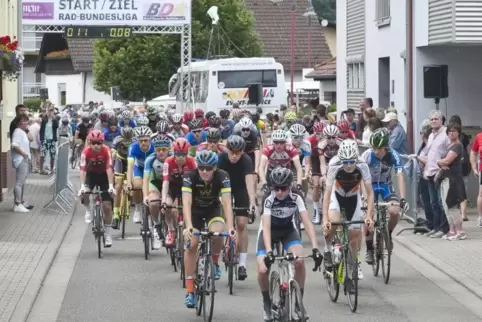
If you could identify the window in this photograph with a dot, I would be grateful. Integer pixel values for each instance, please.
(383, 12)
(356, 76)
(242, 78)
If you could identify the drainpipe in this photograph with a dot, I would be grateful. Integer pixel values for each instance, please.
(409, 53)
(84, 87)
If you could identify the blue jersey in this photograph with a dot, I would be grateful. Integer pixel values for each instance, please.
(380, 169)
(227, 130)
(153, 167)
(192, 140)
(109, 136)
(73, 126)
(137, 155)
(132, 123)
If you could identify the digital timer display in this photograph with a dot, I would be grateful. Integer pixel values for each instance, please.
(98, 32)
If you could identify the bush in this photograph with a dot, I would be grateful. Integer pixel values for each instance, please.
(32, 104)
(332, 108)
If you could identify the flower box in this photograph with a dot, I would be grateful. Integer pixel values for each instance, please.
(56, 57)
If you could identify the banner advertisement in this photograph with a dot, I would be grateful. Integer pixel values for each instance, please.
(106, 12)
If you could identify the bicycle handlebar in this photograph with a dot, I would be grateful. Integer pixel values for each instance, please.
(347, 223)
(386, 204)
(210, 234)
(247, 209)
(94, 192)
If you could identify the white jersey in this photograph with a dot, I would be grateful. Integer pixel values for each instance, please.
(344, 183)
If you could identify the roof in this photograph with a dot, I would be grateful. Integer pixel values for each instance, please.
(325, 70)
(82, 54)
(272, 22)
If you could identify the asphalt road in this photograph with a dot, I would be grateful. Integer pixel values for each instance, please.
(123, 286)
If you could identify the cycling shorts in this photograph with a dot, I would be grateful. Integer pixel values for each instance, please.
(352, 206)
(241, 200)
(385, 192)
(99, 180)
(174, 191)
(120, 165)
(138, 172)
(155, 185)
(210, 214)
(288, 237)
(315, 166)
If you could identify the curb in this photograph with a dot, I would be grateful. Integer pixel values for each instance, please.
(29, 295)
(441, 266)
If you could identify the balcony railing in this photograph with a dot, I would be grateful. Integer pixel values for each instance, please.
(32, 89)
(31, 42)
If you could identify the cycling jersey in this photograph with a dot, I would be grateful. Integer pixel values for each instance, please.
(380, 169)
(153, 170)
(173, 172)
(219, 148)
(73, 126)
(91, 161)
(83, 130)
(345, 183)
(282, 158)
(227, 129)
(304, 149)
(138, 157)
(152, 125)
(251, 142)
(329, 151)
(109, 136)
(206, 194)
(132, 123)
(237, 174)
(193, 142)
(179, 133)
(315, 150)
(282, 212)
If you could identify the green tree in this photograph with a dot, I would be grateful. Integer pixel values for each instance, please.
(325, 9)
(143, 65)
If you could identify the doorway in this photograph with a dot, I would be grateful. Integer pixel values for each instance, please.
(384, 82)
(62, 93)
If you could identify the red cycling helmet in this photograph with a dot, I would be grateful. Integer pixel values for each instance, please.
(199, 113)
(181, 145)
(318, 127)
(96, 136)
(343, 125)
(188, 116)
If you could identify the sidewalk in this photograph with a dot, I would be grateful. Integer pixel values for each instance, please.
(460, 260)
(28, 244)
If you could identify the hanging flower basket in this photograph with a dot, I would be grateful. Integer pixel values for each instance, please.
(11, 58)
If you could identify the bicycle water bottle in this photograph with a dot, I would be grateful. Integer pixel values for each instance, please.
(337, 253)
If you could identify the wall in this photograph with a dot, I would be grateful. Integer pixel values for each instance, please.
(73, 88)
(330, 37)
(420, 19)
(341, 84)
(92, 95)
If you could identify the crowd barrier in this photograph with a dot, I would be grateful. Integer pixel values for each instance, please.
(62, 190)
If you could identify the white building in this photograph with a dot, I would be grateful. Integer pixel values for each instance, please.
(371, 52)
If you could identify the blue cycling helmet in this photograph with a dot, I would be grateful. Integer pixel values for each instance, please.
(207, 158)
(159, 142)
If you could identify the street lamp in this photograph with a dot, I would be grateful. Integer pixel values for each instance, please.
(310, 12)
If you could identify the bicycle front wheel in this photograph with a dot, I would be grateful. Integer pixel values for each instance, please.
(351, 279)
(230, 265)
(295, 303)
(145, 233)
(180, 255)
(124, 214)
(73, 159)
(208, 290)
(98, 230)
(377, 249)
(386, 255)
(332, 286)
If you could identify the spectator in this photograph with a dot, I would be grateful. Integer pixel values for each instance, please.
(398, 136)
(452, 187)
(350, 117)
(20, 161)
(364, 104)
(425, 132)
(20, 109)
(436, 149)
(380, 112)
(34, 130)
(48, 139)
(321, 114)
(367, 114)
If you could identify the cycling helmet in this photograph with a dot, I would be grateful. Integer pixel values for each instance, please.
(318, 127)
(235, 143)
(159, 142)
(207, 158)
(93, 115)
(379, 138)
(297, 130)
(188, 116)
(236, 114)
(85, 119)
(181, 145)
(162, 116)
(65, 121)
(209, 115)
(142, 121)
(279, 135)
(343, 125)
(348, 150)
(112, 121)
(126, 114)
(142, 131)
(281, 177)
(246, 123)
(213, 134)
(95, 135)
(199, 113)
(162, 126)
(177, 118)
(117, 140)
(214, 121)
(331, 130)
(246, 113)
(127, 132)
(104, 116)
(151, 111)
(224, 114)
(195, 124)
(290, 116)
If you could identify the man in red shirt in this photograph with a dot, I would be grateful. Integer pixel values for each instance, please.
(96, 171)
(477, 148)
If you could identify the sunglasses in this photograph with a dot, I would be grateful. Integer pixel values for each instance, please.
(205, 168)
(349, 162)
(96, 142)
(279, 142)
(213, 142)
(143, 140)
(298, 137)
(331, 137)
(245, 130)
(161, 133)
(280, 188)
(343, 132)
(236, 153)
(180, 154)
(162, 149)
(196, 131)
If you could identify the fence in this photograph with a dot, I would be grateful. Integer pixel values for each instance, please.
(62, 189)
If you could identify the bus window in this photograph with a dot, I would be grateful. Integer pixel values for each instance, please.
(242, 78)
(204, 86)
(174, 84)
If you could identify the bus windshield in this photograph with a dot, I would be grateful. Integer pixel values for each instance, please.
(243, 78)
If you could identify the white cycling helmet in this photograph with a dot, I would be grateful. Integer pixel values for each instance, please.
(279, 135)
(126, 114)
(142, 131)
(348, 150)
(331, 130)
(246, 123)
(142, 121)
(297, 130)
(177, 118)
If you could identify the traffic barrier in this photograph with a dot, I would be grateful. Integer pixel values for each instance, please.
(62, 189)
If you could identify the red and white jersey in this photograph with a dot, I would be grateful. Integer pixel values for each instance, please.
(315, 150)
(282, 158)
(172, 172)
(329, 151)
(90, 161)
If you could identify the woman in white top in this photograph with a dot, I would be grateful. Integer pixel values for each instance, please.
(367, 115)
(20, 161)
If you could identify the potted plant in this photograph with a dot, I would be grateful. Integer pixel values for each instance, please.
(11, 58)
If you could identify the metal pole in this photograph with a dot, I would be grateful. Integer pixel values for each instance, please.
(310, 51)
(409, 52)
(292, 72)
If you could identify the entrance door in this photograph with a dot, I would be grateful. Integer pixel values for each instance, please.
(384, 82)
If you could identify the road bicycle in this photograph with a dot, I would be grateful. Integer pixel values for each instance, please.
(124, 211)
(76, 151)
(98, 220)
(205, 273)
(345, 265)
(176, 252)
(284, 290)
(382, 244)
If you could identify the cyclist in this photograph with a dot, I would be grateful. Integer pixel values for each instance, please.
(174, 168)
(126, 119)
(162, 128)
(196, 136)
(120, 151)
(83, 129)
(138, 152)
(298, 135)
(199, 115)
(100, 123)
(328, 147)
(347, 176)
(214, 122)
(96, 171)
(239, 168)
(142, 121)
(153, 117)
(152, 183)
(314, 140)
(381, 160)
(227, 125)
(345, 131)
(290, 117)
(200, 198)
(112, 131)
(276, 224)
(74, 121)
(178, 129)
(248, 131)
(213, 143)
(188, 117)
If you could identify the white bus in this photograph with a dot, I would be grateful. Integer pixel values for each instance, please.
(217, 84)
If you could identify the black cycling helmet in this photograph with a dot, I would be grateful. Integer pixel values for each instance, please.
(162, 126)
(127, 132)
(380, 138)
(196, 124)
(85, 119)
(214, 121)
(235, 143)
(224, 113)
(65, 121)
(209, 115)
(213, 134)
(281, 177)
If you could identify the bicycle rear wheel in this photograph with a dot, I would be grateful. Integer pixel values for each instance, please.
(297, 310)
(230, 265)
(332, 286)
(73, 159)
(208, 290)
(351, 279)
(98, 230)
(386, 255)
(377, 249)
(145, 233)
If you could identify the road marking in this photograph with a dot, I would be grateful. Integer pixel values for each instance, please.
(130, 238)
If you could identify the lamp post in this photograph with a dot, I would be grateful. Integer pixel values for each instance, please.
(310, 12)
